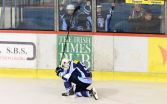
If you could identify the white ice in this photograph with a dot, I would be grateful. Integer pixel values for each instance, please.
(48, 91)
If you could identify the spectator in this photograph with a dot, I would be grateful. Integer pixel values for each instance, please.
(83, 4)
(148, 23)
(62, 8)
(84, 20)
(136, 12)
(80, 3)
(64, 3)
(101, 17)
(65, 20)
(104, 17)
(109, 16)
(61, 11)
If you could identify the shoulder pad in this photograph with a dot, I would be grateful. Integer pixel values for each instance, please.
(76, 61)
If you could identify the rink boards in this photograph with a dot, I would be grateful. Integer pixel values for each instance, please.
(111, 56)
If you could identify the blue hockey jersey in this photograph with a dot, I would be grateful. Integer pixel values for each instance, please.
(76, 73)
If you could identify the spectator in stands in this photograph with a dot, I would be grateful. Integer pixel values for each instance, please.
(88, 3)
(136, 12)
(109, 15)
(64, 2)
(148, 23)
(61, 10)
(84, 19)
(101, 17)
(104, 17)
(65, 20)
(80, 3)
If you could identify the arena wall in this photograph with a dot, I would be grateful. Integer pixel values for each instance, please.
(114, 56)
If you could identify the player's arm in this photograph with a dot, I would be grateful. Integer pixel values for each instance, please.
(64, 74)
(83, 68)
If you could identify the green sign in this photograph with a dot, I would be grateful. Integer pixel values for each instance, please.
(77, 48)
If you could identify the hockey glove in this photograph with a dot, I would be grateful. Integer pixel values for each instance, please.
(58, 70)
(89, 74)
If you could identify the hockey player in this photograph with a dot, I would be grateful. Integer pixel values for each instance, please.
(76, 72)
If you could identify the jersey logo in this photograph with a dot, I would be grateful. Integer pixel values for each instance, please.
(75, 61)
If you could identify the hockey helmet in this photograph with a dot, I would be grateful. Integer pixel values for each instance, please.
(65, 64)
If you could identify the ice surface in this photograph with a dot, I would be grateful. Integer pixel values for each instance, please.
(48, 91)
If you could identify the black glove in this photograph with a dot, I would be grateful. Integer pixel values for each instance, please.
(58, 70)
(90, 74)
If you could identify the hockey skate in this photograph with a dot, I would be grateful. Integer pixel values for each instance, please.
(93, 92)
(70, 92)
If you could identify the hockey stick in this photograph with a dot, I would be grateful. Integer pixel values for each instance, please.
(68, 32)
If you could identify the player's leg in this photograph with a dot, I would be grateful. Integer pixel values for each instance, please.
(69, 89)
(81, 90)
(93, 93)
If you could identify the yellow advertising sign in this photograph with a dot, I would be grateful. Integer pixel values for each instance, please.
(159, 2)
(157, 55)
(134, 1)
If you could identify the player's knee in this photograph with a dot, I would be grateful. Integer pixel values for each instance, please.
(82, 94)
(78, 94)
